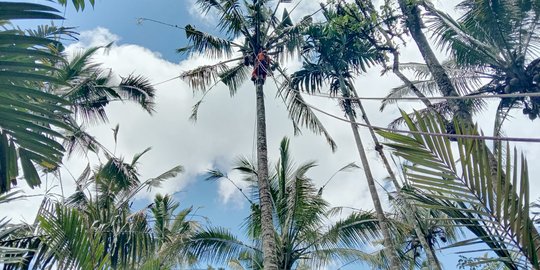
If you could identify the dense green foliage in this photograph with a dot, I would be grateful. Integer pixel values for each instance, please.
(303, 225)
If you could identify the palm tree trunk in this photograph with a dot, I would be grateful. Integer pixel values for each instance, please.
(389, 249)
(433, 262)
(413, 21)
(267, 225)
(387, 240)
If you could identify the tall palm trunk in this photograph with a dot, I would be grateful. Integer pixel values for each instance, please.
(385, 230)
(387, 240)
(433, 262)
(267, 227)
(413, 21)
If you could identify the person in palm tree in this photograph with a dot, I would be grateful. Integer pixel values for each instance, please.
(261, 66)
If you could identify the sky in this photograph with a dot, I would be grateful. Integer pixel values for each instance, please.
(225, 127)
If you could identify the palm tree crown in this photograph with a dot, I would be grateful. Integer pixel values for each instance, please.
(303, 229)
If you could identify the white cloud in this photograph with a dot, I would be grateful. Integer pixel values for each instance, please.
(97, 37)
(225, 128)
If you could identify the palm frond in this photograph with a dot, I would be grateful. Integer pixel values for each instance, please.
(78, 4)
(310, 78)
(69, 242)
(355, 231)
(18, 11)
(207, 44)
(300, 113)
(217, 245)
(80, 141)
(30, 118)
(200, 78)
(171, 173)
(492, 206)
(9, 253)
(234, 77)
(465, 81)
(138, 89)
(466, 48)
(231, 17)
(323, 257)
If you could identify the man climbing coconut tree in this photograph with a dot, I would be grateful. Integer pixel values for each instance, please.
(259, 28)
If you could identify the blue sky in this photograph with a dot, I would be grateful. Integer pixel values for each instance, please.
(120, 17)
(225, 127)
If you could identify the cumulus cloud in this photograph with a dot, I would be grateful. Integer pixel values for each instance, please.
(97, 37)
(226, 126)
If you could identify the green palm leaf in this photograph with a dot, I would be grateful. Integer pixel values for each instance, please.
(493, 205)
(212, 46)
(71, 242)
(29, 117)
(302, 223)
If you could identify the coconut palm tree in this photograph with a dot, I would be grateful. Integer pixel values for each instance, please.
(302, 227)
(172, 232)
(41, 89)
(249, 28)
(414, 24)
(89, 90)
(378, 28)
(335, 52)
(496, 44)
(96, 229)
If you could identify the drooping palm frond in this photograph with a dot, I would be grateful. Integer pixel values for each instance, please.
(358, 229)
(510, 16)
(500, 38)
(234, 77)
(138, 89)
(158, 180)
(465, 81)
(78, 140)
(201, 78)
(217, 245)
(53, 32)
(208, 45)
(30, 118)
(465, 48)
(91, 88)
(492, 205)
(18, 11)
(231, 17)
(311, 78)
(301, 114)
